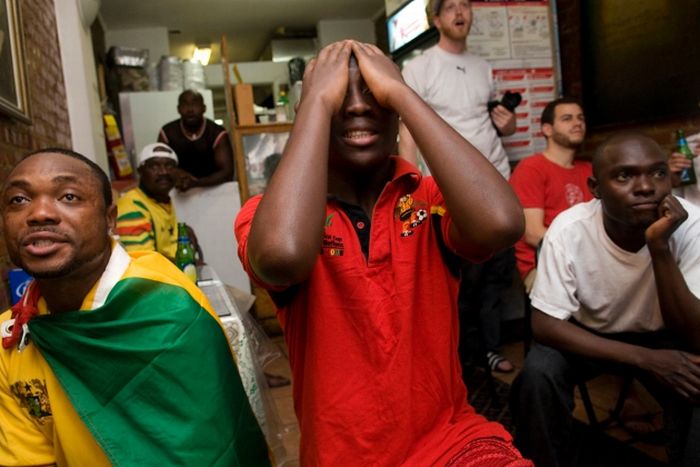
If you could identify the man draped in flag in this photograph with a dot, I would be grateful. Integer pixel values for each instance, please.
(109, 357)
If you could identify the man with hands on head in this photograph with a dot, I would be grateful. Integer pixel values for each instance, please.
(359, 252)
(617, 290)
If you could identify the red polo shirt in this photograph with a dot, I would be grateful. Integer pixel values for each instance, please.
(373, 335)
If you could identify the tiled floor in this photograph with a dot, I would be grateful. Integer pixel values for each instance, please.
(603, 390)
(287, 454)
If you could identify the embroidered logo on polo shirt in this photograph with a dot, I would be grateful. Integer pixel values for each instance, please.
(410, 213)
(33, 397)
(332, 245)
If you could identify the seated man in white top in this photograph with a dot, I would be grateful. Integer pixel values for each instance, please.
(617, 290)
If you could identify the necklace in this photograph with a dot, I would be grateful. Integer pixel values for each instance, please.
(195, 136)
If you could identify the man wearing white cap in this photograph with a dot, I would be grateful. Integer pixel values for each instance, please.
(146, 217)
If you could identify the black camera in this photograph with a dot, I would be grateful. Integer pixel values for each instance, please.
(510, 101)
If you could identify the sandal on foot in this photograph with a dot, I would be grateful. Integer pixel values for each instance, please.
(498, 362)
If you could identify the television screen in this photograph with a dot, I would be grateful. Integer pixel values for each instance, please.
(407, 23)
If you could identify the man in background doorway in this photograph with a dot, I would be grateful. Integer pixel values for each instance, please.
(203, 147)
(458, 86)
(551, 181)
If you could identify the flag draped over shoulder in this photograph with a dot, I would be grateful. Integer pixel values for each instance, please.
(152, 376)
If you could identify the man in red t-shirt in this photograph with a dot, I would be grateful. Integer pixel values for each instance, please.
(360, 253)
(552, 181)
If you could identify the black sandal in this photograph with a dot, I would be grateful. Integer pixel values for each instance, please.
(494, 360)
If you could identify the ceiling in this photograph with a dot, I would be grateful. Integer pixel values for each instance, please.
(248, 24)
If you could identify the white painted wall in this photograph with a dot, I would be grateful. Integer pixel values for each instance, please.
(392, 5)
(211, 212)
(330, 31)
(82, 95)
(154, 39)
(251, 72)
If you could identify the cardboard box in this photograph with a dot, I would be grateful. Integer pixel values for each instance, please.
(243, 100)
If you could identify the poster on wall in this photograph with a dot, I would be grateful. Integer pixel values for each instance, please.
(529, 30)
(515, 38)
(537, 88)
(510, 30)
(489, 36)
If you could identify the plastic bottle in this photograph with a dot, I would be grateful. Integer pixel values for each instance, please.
(282, 107)
(688, 176)
(184, 258)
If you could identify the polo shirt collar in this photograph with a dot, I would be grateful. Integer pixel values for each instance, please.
(405, 170)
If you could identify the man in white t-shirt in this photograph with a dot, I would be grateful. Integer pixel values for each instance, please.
(617, 290)
(458, 86)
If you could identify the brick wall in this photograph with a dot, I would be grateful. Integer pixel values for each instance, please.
(47, 103)
(662, 130)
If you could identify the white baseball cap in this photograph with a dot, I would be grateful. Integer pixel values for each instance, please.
(156, 150)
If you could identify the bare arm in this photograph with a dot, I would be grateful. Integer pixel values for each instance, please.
(567, 337)
(286, 233)
(486, 214)
(504, 120)
(223, 158)
(679, 306)
(534, 226)
(407, 147)
(676, 369)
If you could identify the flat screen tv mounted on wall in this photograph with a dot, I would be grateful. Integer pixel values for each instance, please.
(407, 26)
